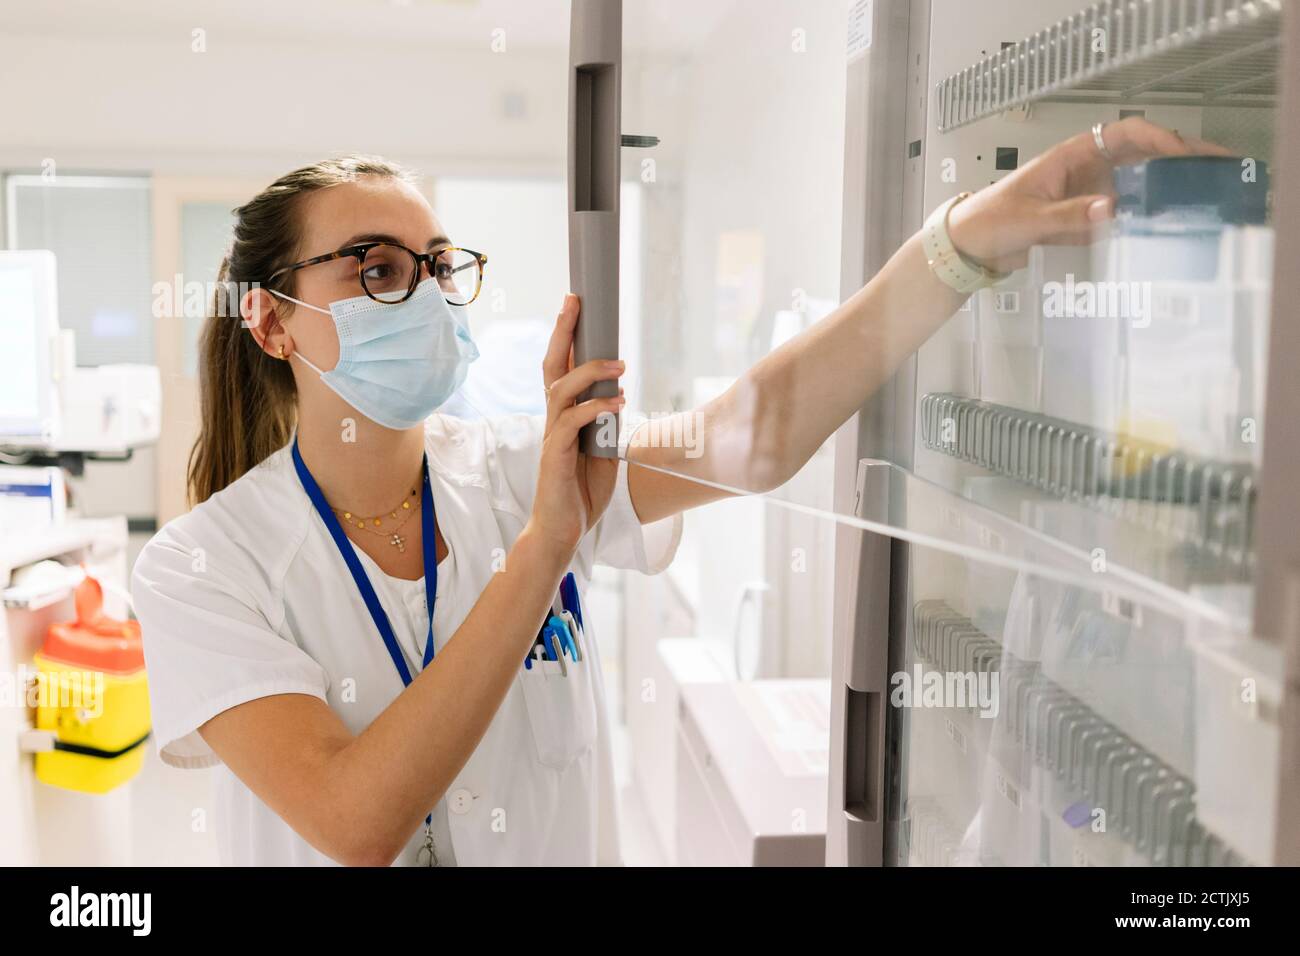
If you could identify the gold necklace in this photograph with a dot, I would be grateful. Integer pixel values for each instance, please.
(365, 524)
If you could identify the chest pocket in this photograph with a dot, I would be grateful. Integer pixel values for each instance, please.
(561, 709)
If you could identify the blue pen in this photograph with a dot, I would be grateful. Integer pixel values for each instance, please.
(549, 642)
(576, 634)
(558, 628)
(544, 637)
(569, 599)
(561, 629)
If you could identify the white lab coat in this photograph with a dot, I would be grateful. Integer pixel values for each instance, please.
(247, 596)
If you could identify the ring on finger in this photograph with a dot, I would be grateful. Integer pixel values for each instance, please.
(1100, 140)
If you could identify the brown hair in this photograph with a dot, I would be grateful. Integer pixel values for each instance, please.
(247, 404)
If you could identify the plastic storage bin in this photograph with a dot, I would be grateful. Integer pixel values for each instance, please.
(952, 353)
(1083, 338)
(1238, 697)
(1046, 346)
(1190, 238)
(1212, 334)
(1009, 347)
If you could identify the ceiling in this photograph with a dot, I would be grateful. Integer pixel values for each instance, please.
(660, 26)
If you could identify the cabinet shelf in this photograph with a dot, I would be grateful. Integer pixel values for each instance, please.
(1147, 802)
(1132, 52)
(934, 517)
(1207, 504)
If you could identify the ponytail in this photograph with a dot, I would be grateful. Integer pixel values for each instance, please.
(246, 399)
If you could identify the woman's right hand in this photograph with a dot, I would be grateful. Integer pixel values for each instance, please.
(573, 489)
(1061, 195)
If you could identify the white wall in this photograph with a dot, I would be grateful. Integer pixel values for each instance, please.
(248, 106)
(265, 94)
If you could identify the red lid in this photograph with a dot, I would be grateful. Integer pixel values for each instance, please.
(94, 641)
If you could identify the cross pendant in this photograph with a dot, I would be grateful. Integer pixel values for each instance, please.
(398, 542)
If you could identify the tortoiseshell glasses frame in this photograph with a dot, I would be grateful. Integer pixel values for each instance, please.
(360, 250)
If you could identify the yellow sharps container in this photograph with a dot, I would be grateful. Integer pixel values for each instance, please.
(93, 696)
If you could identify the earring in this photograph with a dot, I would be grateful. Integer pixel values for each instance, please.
(282, 352)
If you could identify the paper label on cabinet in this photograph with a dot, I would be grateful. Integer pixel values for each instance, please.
(1173, 306)
(1006, 302)
(1008, 790)
(859, 39)
(955, 735)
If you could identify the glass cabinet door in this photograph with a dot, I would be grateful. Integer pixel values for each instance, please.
(731, 245)
(1106, 401)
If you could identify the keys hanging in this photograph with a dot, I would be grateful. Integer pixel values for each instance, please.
(427, 855)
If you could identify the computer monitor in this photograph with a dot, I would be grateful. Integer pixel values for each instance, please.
(29, 328)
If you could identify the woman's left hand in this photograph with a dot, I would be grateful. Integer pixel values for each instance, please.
(1061, 195)
(575, 488)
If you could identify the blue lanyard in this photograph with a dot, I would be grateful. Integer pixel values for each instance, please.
(428, 526)
(428, 544)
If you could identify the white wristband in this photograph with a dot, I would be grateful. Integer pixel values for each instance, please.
(950, 266)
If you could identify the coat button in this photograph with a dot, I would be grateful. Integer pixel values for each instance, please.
(459, 801)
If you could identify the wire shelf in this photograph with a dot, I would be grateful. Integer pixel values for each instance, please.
(1208, 504)
(1148, 803)
(931, 837)
(1194, 52)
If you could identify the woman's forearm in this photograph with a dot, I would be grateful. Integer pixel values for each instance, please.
(399, 766)
(762, 430)
(358, 798)
(797, 396)
(390, 775)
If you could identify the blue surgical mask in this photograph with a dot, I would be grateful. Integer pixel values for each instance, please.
(397, 362)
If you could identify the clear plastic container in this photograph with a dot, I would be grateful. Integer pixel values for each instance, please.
(1210, 332)
(1190, 242)
(1238, 698)
(1083, 338)
(1009, 349)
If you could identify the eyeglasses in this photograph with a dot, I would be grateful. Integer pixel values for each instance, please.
(389, 272)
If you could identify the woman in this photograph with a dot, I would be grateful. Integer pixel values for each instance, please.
(285, 617)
